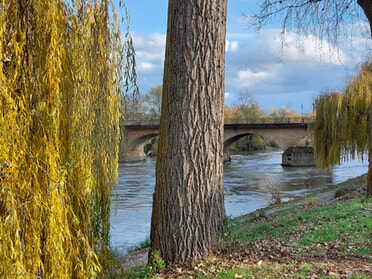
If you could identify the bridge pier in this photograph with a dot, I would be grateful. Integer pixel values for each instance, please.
(298, 156)
(226, 157)
(132, 156)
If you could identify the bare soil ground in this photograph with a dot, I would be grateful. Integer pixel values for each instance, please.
(134, 259)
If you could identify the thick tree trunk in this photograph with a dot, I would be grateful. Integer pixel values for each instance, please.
(188, 205)
(366, 6)
(369, 174)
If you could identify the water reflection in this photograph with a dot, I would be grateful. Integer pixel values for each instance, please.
(248, 181)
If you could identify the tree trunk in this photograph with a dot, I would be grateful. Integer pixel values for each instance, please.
(188, 204)
(366, 6)
(369, 174)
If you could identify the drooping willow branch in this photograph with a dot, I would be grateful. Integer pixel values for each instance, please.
(342, 125)
(60, 98)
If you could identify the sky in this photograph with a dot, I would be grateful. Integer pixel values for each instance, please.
(255, 64)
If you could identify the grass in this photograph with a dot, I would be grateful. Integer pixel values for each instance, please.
(350, 222)
(303, 239)
(142, 245)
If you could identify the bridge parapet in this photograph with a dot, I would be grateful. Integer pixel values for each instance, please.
(142, 122)
(263, 120)
(271, 120)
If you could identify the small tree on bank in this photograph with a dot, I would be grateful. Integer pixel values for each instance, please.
(188, 204)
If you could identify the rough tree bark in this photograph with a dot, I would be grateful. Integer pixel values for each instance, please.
(369, 174)
(188, 204)
(366, 6)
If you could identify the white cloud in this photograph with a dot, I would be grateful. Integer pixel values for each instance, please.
(145, 66)
(268, 45)
(149, 49)
(248, 77)
(311, 49)
(153, 39)
(232, 46)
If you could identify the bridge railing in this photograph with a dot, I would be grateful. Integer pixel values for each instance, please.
(264, 120)
(271, 120)
(142, 122)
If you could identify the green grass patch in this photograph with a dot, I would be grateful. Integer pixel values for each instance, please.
(364, 251)
(349, 222)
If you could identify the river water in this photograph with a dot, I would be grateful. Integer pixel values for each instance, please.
(249, 180)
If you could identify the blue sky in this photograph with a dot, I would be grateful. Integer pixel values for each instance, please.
(254, 62)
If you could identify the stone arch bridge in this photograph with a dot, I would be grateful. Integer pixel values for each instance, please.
(285, 135)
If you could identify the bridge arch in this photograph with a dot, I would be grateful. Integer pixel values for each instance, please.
(285, 135)
(140, 142)
(132, 146)
(134, 150)
(229, 141)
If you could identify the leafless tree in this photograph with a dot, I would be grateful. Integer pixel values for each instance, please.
(330, 20)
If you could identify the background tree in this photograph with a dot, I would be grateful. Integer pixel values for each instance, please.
(188, 204)
(135, 108)
(246, 111)
(153, 100)
(139, 107)
(60, 86)
(283, 114)
(248, 108)
(229, 114)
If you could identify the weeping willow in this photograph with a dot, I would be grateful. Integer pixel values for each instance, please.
(327, 146)
(342, 125)
(60, 80)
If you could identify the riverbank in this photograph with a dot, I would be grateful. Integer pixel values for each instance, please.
(325, 234)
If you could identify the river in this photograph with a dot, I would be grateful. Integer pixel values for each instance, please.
(249, 180)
